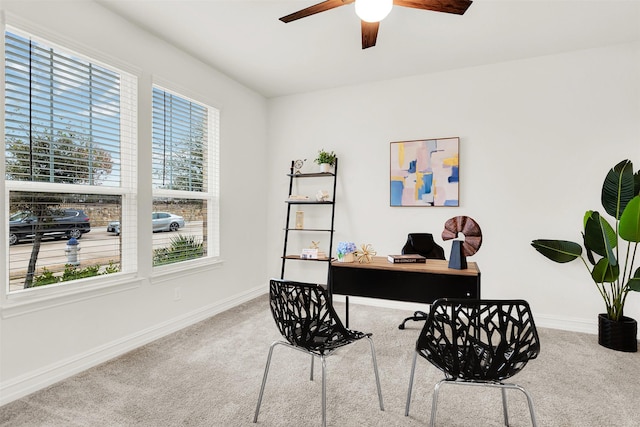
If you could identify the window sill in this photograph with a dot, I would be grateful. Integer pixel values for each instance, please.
(42, 298)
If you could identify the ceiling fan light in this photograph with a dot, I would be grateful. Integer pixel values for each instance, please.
(373, 10)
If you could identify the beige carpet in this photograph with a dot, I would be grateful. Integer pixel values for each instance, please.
(209, 375)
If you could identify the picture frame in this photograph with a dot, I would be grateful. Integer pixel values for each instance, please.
(424, 172)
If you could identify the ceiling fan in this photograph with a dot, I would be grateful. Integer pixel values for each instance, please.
(371, 12)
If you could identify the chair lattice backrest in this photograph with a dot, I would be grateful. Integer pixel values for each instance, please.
(481, 340)
(306, 318)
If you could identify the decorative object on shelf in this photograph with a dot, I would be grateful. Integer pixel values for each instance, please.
(322, 196)
(460, 250)
(297, 165)
(620, 198)
(365, 254)
(316, 245)
(424, 172)
(345, 251)
(295, 197)
(309, 253)
(299, 220)
(326, 160)
(313, 252)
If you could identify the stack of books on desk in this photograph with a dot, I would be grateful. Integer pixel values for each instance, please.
(414, 258)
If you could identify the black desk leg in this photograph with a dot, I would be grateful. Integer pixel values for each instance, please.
(346, 311)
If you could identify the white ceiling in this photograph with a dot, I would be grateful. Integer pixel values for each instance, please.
(246, 41)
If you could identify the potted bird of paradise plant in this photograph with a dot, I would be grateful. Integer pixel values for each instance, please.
(609, 261)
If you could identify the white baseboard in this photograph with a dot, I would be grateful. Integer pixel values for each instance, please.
(33, 381)
(567, 323)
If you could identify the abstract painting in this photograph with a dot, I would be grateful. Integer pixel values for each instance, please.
(424, 172)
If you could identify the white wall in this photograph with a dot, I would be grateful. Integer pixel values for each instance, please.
(41, 346)
(537, 137)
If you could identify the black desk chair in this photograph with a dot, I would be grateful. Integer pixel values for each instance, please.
(478, 342)
(307, 320)
(421, 244)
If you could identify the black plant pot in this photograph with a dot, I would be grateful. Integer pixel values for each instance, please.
(620, 335)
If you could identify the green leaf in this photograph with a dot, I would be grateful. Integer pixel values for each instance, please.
(558, 250)
(634, 283)
(603, 272)
(629, 227)
(587, 216)
(599, 236)
(618, 188)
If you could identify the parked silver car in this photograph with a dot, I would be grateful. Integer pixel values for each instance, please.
(161, 221)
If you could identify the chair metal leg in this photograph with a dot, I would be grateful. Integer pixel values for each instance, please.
(264, 380)
(324, 391)
(532, 412)
(375, 371)
(434, 402)
(324, 378)
(530, 403)
(413, 370)
(505, 411)
(503, 387)
(311, 375)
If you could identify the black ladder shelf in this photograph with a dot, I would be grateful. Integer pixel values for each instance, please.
(294, 203)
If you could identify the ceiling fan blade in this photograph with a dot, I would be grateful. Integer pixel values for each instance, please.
(316, 8)
(459, 7)
(369, 33)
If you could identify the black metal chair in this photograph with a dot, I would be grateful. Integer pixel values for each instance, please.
(421, 244)
(478, 342)
(306, 319)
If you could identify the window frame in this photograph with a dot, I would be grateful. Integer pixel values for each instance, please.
(211, 196)
(17, 302)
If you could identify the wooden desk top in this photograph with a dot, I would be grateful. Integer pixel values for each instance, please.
(435, 266)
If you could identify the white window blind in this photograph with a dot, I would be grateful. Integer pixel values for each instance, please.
(180, 136)
(62, 122)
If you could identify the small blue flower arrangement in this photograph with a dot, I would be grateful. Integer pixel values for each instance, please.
(345, 248)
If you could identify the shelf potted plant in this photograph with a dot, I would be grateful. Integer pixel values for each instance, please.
(609, 261)
(326, 160)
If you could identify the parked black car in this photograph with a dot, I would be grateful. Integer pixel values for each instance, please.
(66, 223)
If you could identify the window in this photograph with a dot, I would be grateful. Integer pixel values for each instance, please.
(69, 156)
(185, 178)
